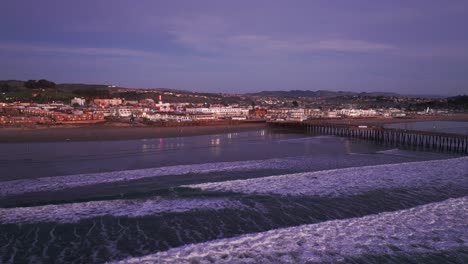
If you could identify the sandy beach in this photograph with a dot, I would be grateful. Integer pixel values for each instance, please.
(113, 132)
(122, 131)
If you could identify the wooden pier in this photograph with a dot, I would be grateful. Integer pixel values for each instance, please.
(423, 140)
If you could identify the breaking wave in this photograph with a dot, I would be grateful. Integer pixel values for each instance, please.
(301, 210)
(350, 181)
(420, 230)
(70, 181)
(74, 212)
(299, 163)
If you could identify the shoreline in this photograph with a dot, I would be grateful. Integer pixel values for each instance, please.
(125, 131)
(114, 132)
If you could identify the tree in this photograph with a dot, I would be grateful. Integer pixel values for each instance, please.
(92, 93)
(30, 84)
(42, 83)
(295, 104)
(45, 84)
(5, 88)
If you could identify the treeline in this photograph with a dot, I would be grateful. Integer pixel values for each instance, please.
(14, 86)
(40, 84)
(10, 86)
(92, 93)
(457, 103)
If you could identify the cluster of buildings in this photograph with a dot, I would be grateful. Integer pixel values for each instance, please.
(302, 114)
(149, 110)
(56, 113)
(79, 111)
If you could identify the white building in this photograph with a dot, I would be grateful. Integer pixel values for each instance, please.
(78, 101)
(220, 111)
(124, 112)
(163, 116)
(331, 114)
(357, 112)
(163, 107)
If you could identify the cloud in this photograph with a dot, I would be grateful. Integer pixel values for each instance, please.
(89, 51)
(306, 45)
(214, 35)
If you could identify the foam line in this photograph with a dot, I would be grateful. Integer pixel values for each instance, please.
(351, 181)
(74, 212)
(429, 228)
(15, 187)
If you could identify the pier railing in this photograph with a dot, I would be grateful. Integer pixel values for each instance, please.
(425, 140)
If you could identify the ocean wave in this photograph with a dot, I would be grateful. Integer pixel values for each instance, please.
(299, 163)
(424, 229)
(350, 181)
(414, 154)
(307, 163)
(69, 181)
(74, 212)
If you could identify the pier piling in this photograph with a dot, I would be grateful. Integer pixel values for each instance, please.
(424, 140)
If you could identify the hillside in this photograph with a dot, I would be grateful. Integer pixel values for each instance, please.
(319, 93)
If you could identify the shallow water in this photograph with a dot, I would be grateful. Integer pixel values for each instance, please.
(123, 203)
(34, 160)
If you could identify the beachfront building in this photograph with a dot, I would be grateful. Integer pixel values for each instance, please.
(292, 114)
(202, 116)
(331, 114)
(313, 113)
(219, 111)
(165, 116)
(357, 112)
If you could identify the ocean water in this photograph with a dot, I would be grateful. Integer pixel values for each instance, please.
(251, 197)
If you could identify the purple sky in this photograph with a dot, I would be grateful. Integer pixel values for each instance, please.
(412, 47)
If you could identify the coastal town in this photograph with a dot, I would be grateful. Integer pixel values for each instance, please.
(199, 109)
(79, 111)
(195, 132)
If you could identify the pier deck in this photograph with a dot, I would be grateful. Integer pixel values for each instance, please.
(425, 140)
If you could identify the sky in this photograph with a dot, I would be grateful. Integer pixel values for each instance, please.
(404, 46)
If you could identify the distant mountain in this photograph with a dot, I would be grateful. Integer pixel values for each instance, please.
(72, 87)
(319, 93)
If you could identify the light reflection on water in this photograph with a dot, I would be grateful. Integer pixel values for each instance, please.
(33, 160)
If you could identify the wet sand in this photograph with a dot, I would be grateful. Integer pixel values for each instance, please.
(113, 132)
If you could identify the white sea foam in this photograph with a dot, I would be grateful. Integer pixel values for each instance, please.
(414, 154)
(64, 182)
(315, 139)
(69, 213)
(424, 229)
(349, 181)
(393, 151)
(22, 186)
